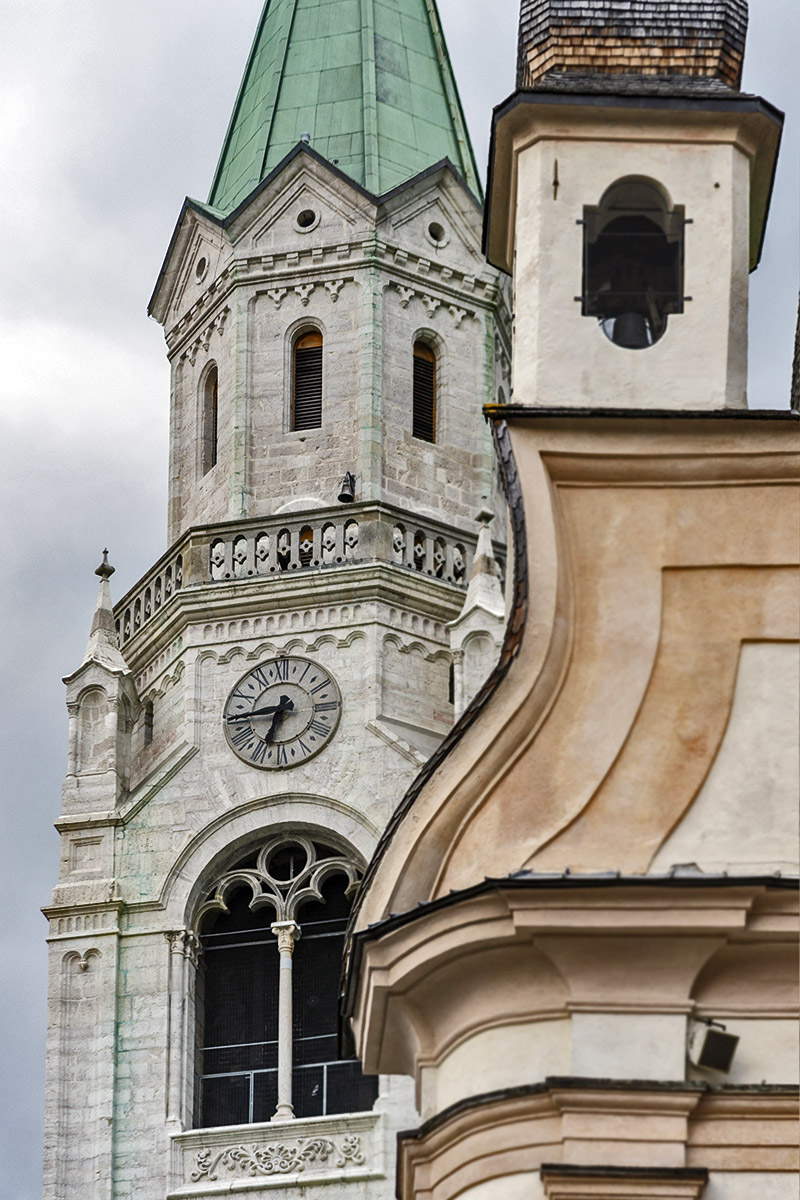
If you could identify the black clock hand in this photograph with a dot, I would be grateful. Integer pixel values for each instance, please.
(258, 712)
(286, 705)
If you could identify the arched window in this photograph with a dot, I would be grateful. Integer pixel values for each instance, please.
(276, 921)
(307, 381)
(633, 263)
(424, 398)
(210, 403)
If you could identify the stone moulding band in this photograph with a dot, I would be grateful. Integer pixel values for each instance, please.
(280, 1158)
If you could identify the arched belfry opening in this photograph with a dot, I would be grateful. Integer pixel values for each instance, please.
(271, 934)
(210, 418)
(633, 252)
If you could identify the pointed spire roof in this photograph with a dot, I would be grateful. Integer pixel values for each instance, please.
(369, 83)
(102, 647)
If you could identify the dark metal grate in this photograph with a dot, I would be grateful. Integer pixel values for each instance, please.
(238, 1010)
(307, 399)
(424, 404)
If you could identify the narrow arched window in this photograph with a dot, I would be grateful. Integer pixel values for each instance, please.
(633, 263)
(210, 405)
(307, 381)
(424, 394)
(287, 910)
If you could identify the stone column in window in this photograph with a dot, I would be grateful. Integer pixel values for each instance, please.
(287, 933)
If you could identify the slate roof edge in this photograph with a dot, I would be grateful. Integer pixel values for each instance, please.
(224, 221)
(582, 1083)
(505, 411)
(514, 632)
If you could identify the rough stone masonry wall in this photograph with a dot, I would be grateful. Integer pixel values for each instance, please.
(700, 38)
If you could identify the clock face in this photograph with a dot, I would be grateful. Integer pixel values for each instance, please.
(282, 713)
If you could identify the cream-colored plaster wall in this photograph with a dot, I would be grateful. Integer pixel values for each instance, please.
(561, 358)
(519, 1186)
(751, 1185)
(628, 1045)
(746, 811)
(510, 1055)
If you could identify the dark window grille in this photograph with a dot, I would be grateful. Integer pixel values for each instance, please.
(307, 382)
(210, 418)
(424, 398)
(238, 1015)
(633, 261)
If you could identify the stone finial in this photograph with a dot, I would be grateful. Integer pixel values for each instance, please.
(103, 645)
(105, 570)
(701, 40)
(476, 635)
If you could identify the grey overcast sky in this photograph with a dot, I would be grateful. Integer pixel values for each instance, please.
(109, 114)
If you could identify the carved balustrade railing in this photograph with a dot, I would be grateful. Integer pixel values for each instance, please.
(290, 543)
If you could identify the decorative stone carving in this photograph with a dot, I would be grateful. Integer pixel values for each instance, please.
(350, 540)
(185, 943)
(457, 314)
(281, 1158)
(217, 560)
(276, 295)
(240, 557)
(284, 896)
(328, 543)
(439, 558)
(333, 287)
(405, 293)
(304, 290)
(306, 545)
(419, 550)
(431, 304)
(459, 566)
(398, 543)
(284, 549)
(262, 553)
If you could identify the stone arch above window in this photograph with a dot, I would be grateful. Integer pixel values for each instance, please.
(633, 252)
(209, 393)
(271, 931)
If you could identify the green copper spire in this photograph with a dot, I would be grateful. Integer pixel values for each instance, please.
(369, 81)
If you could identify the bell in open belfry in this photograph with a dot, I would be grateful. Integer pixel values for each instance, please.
(630, 331)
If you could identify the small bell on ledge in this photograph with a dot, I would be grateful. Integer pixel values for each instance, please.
(347, 488)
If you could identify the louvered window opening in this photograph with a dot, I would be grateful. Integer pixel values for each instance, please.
(424, 402)
(307, 382)
(238, 1004)
(210, 417)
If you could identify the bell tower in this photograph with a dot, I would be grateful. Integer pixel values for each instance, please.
(249, 715)
(629, 190)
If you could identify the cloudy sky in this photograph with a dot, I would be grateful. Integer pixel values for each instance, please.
(109, 114)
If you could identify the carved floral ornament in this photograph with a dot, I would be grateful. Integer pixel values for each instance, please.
(284, 896)
(280, 1158)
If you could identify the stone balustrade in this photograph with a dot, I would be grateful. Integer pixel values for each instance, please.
(312, 540)
(313, 1151)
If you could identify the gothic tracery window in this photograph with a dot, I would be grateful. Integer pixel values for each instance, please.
(286, 906)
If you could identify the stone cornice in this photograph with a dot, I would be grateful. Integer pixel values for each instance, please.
(327, 263)
(542, 1122)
